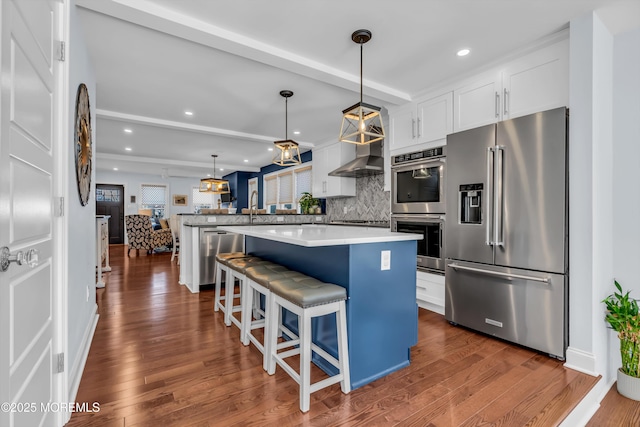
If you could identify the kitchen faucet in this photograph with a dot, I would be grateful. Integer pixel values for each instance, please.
(252, 205)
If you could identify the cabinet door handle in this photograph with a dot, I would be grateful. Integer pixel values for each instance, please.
(497, 104)
(505, 102)
(418, 127)
(413, 128)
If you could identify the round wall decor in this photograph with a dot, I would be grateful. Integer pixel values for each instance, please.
(82, 144)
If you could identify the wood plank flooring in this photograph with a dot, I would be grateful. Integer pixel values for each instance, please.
(162, 357)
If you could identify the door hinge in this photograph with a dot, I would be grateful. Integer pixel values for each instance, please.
(58, 206)
(61, 51)
(60, 364)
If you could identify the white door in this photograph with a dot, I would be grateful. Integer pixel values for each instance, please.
(27, 316)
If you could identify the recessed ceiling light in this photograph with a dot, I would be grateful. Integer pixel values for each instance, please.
(221, 169)
(208, 174)
(296, 132)
(463, 52)
(270, 149)
(115, 169)
(188, 113)
(127, 148)
(246, 161)
(128, 130)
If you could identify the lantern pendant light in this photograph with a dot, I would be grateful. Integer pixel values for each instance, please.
(214, 185)
(288, 152)
(362, 122)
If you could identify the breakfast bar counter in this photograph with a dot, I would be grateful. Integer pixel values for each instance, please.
(377, 268)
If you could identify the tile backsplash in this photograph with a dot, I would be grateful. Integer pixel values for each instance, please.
(371, 202)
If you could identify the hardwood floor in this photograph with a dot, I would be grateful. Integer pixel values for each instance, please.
(162, 357)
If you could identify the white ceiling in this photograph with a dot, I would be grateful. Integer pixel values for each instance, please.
(227, 62)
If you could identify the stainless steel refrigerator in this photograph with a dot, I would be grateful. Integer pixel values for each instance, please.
(506, 233)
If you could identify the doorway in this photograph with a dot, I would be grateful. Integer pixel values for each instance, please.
(110, 201)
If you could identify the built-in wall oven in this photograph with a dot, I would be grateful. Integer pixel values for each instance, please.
(431, 227)
(418, 202)
(418, 182)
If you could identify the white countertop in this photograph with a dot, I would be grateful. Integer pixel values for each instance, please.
(319, 234)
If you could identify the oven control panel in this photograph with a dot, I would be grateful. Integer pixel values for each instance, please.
(418, 155)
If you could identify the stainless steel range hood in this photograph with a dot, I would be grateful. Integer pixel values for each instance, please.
(369, 161)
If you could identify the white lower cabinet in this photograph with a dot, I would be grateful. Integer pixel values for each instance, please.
(326, 159)
(430, 291)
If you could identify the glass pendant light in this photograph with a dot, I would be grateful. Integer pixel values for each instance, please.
(362, 122)
(214, 185)
(288, 152)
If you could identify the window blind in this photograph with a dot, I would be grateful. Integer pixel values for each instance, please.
(285, 187)
(303, 181)
(153, 194)
(271, 190)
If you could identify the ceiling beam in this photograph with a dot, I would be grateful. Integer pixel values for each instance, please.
(150, 15)
(172, 162)
(169, 124)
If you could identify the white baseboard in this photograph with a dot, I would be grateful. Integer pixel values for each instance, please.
(588, 406)
(436, 308)
(581, 361)
(75, 373)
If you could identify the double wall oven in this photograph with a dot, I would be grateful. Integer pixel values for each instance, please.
(418, 202)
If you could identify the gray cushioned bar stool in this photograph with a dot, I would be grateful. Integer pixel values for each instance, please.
(257, 279)
(237, 268)
(222, 266)
(308, 298)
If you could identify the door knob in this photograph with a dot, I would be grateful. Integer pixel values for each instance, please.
(20, 258)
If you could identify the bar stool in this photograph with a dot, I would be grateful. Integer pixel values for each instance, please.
(257, 280)
(236, 270)
(308, 298)
(222, 260)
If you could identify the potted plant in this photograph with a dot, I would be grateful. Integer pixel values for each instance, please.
(622, 316)
(306, 201)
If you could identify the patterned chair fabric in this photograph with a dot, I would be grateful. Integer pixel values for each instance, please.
(141, 234)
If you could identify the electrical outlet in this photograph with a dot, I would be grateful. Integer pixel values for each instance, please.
(211, 219)
(385, 260)
(344, 210)
(88, 293)
(280, 219)
(318, 218)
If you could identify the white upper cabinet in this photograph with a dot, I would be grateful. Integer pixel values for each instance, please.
(326, 159)
(426, 121)
(536, 82)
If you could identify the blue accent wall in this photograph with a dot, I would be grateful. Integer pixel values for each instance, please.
(238, 181)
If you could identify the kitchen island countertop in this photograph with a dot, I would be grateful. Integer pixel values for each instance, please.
(314, 235)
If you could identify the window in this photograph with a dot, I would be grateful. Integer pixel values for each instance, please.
(284, 188)
(201, 200)
(154, 197)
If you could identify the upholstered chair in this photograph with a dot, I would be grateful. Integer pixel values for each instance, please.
(141, 234)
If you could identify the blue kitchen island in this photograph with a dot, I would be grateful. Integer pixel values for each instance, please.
(378, 269)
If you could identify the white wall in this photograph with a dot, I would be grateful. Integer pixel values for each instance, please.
(80, 220)
(626, 164)
(590, 192)
(132, 183)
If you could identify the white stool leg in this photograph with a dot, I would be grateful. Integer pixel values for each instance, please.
(229, 290)
(343, 347)
(272, 335)
(247, 308)
(305, 360)
(216, 299)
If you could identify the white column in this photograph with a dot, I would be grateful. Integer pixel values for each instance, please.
(590, 190)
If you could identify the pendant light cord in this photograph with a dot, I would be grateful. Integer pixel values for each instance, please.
(361, 71)
(286, 118)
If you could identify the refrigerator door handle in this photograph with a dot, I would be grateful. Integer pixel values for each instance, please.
(500, 274)
(489, 220)
(499, 190)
